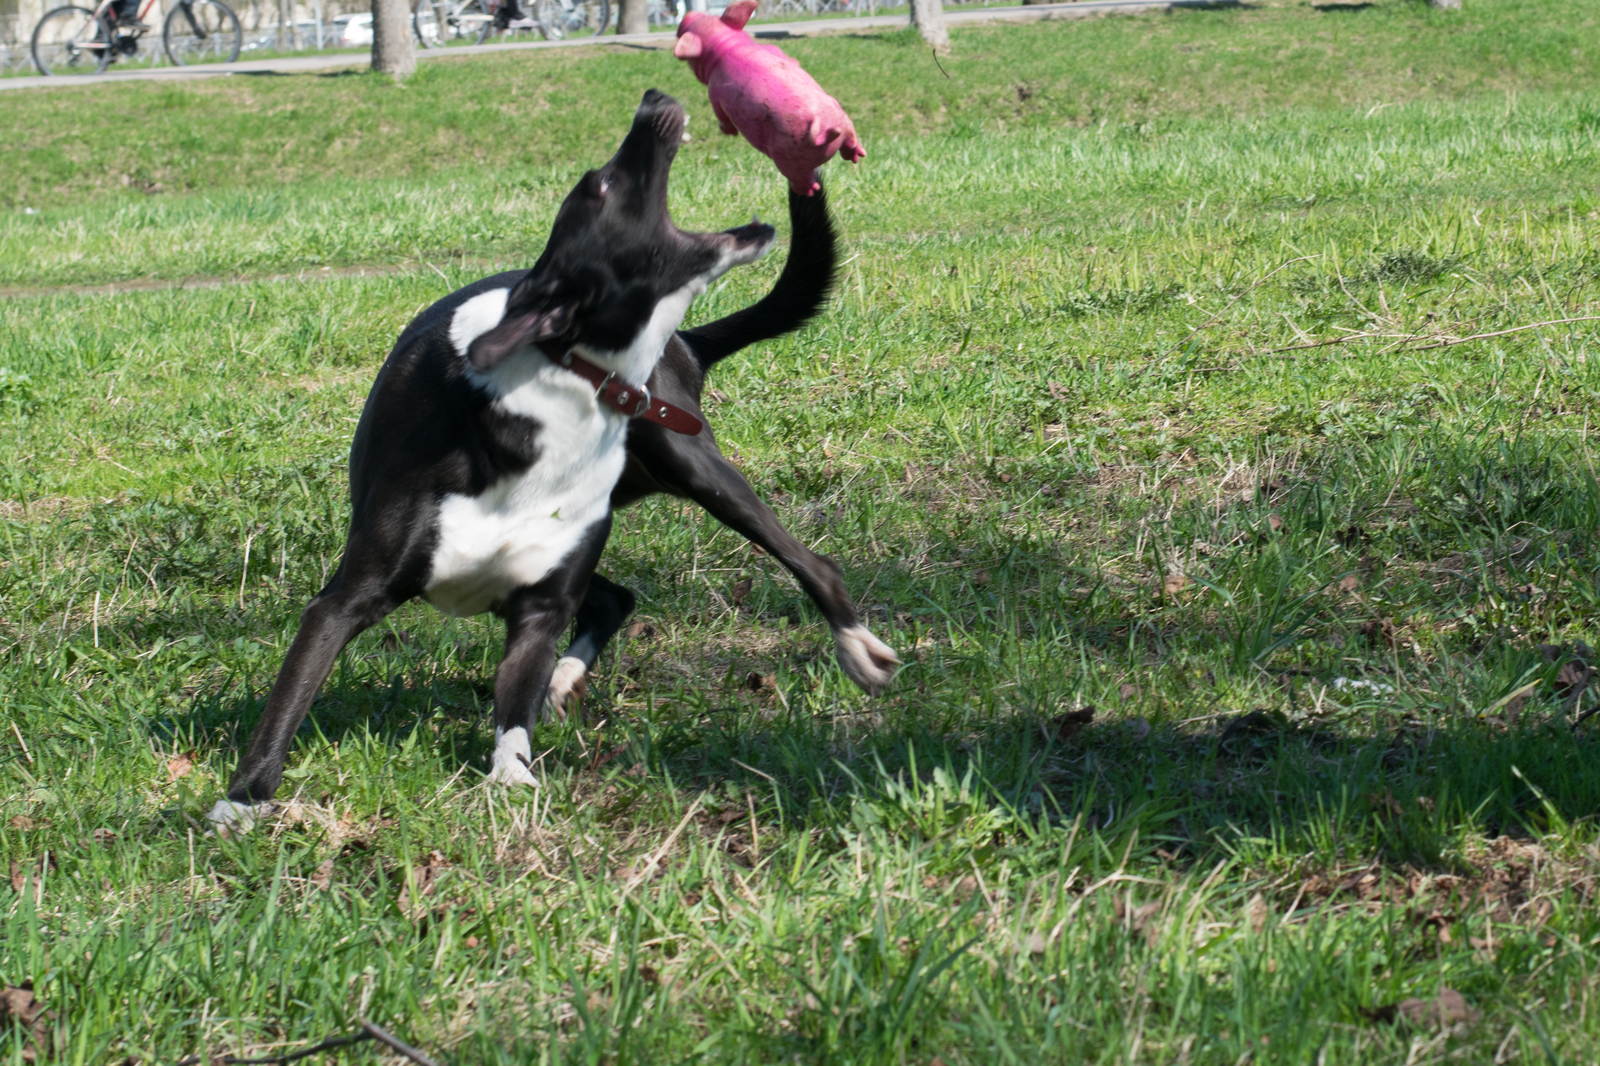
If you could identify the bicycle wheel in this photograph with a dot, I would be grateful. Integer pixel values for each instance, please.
(430, 19)
(71, 40)
(201, 31)
(572, 18)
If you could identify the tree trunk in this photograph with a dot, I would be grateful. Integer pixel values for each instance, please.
(392, 52)
(634, 16)
(1445, 5)
(928, 17)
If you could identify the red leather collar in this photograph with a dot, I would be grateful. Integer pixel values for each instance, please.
(634, 401)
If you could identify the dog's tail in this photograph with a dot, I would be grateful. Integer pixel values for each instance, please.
(801, 290)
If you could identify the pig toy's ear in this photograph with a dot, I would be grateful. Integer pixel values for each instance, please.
(739, 13)
(689, 46)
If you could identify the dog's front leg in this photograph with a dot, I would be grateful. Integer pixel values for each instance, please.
(536, 617)
(695, 466)
(329, 622)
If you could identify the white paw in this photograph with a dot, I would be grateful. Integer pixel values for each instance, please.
(869, 661)
(229, 817)
(512, 763)
(567, 688)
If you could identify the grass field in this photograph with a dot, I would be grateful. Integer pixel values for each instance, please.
(1243, 595)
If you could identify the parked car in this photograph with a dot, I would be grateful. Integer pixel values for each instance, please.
(305, 31)
(350, 31)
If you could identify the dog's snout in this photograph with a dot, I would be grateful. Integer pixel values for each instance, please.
(665, 115)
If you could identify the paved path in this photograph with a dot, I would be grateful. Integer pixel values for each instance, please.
(306, 64)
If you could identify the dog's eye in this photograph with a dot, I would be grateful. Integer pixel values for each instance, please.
(605, 185)
(599, 184)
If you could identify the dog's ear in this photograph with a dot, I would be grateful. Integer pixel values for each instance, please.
(534, 312)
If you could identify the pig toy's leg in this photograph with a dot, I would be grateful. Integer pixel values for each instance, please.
(722, 119)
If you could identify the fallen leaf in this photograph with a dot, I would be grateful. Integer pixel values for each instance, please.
(1275, 521)
(1174, 583)
(1350, 583)
(1572, 675)
(1256, 912)
(640, 629)
(1256, 723)
(179, 765)
(757, 682)
(1005, 479)
(19, 1008)
(1140, 920)
(981, 577)
(1128, 692)
(103, 836)
(740, 590)
(1385, 804)
(648, 975)
(22, 821)
(1034, 944)
(1066, 726)
(1449, 1008)
(427, 876)
(471, 942)
(324, 875)
(1384, 630)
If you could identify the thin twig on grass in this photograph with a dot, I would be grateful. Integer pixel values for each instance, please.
(233, 1060)
(379, 1033)
(369, 1031)
(648, 867)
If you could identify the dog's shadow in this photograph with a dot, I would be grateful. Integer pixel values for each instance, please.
(1179, 787)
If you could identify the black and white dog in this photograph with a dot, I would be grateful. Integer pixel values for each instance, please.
(515, 414)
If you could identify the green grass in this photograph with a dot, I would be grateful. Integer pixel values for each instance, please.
(1060, 370)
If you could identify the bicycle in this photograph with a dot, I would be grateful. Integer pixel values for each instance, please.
(439, 22)
(74, 40)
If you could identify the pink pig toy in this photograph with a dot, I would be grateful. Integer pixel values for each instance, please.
(758, 91)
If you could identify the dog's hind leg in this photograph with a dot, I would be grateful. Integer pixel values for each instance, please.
(329, 622)
(606, 605)
(695, 467)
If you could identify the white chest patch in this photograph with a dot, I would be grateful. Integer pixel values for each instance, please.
(521, 528)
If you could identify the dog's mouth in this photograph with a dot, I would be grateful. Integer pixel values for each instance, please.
(742, 244)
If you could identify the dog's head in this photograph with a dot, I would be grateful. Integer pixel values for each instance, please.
(614, 254)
